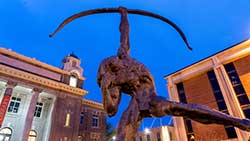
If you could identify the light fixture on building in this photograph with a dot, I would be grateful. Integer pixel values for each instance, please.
(147, 131)
(114, 137)
(192, 137)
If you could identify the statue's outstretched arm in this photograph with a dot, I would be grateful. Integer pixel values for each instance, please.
(116, 10)
(160, 107)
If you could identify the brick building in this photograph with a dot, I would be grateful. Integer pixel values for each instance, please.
(39, 102)
(221, 82)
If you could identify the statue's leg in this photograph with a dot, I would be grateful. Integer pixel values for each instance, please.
(160, 107)
(129, 122)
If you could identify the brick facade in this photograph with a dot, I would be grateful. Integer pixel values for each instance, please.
(230, 83)
(86, 130)
(198, 90)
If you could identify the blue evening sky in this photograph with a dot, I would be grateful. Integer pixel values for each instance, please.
(210, 26)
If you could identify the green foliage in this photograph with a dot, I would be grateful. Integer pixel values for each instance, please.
(110, 132)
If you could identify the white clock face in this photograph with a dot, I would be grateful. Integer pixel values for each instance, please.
(73, 81)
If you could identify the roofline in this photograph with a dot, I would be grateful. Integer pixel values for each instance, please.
(92, 103)
(248, 39)
(22, 75)
(34, 61)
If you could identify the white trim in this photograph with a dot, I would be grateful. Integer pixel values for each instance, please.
(180, 128)
(49, 120)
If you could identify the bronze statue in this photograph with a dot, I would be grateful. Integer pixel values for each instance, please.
(123, 74)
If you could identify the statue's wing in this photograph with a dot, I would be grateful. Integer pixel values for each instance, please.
(116, 10)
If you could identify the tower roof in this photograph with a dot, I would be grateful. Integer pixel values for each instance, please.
(73, 55)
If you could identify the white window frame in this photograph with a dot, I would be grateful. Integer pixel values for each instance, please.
(36, 113)
(14, 101)
(95, 121)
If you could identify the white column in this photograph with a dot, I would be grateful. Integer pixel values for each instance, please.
(30, 113)
(49, 120)
(2, 88)
(229, 96)
(179, 125)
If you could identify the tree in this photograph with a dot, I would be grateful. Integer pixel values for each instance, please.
(109, 132)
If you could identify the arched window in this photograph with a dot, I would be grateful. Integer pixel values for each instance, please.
(79, 138)
(32, 135)
(5, 134)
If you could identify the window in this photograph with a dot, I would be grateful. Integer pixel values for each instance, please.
(81, 118)
(238, 88)
(220, 102)
(32, 135)
(5, 134)
(38, 110)
(189, 127)
(231, 133)
(67, 120)
(74, 64)
(158, 135)
(95, 121)
(73, 81)
(182, 97)
(148, 138)
(170, 136)
(181, 92)
(14, 105)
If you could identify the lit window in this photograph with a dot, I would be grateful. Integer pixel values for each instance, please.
(67, 120)
(5, 134)
(32, 135)
(81, 117)
(38, 110)
(95, 121)
(14, 105)
(73, 81)
(79, 138)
